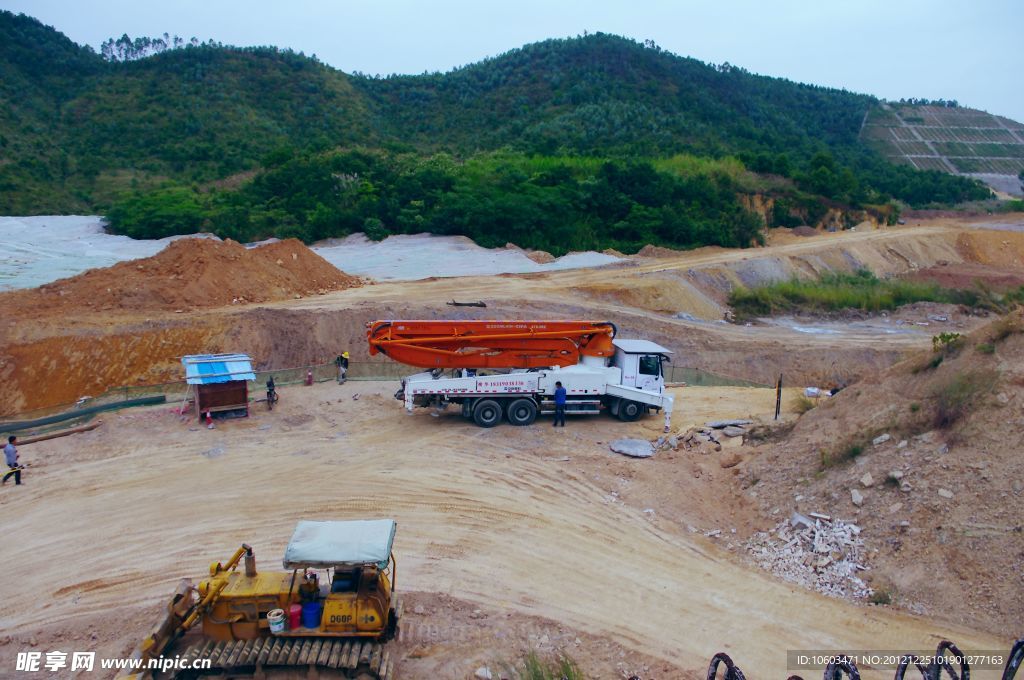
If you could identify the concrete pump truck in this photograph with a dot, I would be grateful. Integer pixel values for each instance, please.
(499, 370)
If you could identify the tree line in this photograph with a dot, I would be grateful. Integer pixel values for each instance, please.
(549, 203)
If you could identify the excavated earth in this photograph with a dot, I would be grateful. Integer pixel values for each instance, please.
(58, 351)
(519, 539)
(937, 469)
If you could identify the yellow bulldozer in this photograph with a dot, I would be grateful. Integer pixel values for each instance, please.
(330, 616)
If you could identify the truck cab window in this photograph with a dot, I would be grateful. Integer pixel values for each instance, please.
(650, 364)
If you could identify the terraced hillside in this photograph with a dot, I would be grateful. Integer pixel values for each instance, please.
(956, 140)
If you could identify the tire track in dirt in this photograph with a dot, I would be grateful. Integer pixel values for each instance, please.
(509, 531)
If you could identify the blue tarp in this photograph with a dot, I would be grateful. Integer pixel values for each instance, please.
(206, 369)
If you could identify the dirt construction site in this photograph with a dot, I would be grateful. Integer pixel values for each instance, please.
(514, 540)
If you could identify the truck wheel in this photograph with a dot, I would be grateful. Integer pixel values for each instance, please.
(522, 412)
(487, 413)
(629, 410)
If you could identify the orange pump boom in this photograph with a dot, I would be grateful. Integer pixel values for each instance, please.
(490, 344)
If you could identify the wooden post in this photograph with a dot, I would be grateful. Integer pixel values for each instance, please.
(778, 397)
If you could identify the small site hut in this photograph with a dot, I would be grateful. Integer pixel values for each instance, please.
(219, 382)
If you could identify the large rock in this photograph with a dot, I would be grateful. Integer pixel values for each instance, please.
(635, 448)
(867, 480)
(881, 439)
(729, 459)
(800, 521)
(733, 431)
(856, 497)
(731, 442)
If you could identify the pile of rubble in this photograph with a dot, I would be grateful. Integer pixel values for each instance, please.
(712, 434)
(816, 552)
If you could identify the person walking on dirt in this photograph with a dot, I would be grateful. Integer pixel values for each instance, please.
(559, 404)
(11, 454)
(271, 393)
(342, 363)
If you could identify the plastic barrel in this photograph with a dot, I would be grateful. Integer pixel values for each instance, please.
(275, 617)
(311, 614)
(294, 616)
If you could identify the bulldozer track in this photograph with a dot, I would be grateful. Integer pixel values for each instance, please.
(340, 658)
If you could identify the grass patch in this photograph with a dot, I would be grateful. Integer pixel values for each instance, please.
(958, 395)
(947, 343)
(842, 454)
(882, 596)
(534, 668)
(943, 345)
(1006, 326)
(801, 404)
(837, 291)
(985, 348)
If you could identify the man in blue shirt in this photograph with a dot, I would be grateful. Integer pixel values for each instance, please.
(11, 455)
(559, 404)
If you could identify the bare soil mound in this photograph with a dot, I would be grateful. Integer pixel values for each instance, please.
(995, 248)
(188, 274)
(650, 250)
(925, 458)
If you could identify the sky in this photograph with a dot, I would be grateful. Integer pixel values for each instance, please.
(968, 50)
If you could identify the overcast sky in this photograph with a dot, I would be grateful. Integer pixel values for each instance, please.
(968, 50)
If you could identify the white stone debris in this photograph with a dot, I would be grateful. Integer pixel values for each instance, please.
(825, 556)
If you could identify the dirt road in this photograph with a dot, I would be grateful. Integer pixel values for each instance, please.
(524, 524)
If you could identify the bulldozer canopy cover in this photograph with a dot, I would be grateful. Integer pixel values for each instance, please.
(332, 544)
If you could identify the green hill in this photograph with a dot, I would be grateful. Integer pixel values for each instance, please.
(604, 93)
(254, 142)
(40, 70)
(210, 112)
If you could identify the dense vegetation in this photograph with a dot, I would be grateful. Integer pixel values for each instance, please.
(551, 203)
(556, 145)
(833, 292)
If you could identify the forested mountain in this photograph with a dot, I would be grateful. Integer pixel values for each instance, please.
(40, 71)
(602, 93)
(254, 142)
(80, 128)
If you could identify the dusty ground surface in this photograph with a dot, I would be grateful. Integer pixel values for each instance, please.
(509, 539)
(677, 300)
(513, 539)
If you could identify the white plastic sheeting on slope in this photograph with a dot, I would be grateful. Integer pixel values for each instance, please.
(38, 250)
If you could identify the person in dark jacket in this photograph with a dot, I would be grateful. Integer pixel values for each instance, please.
(559, 404)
